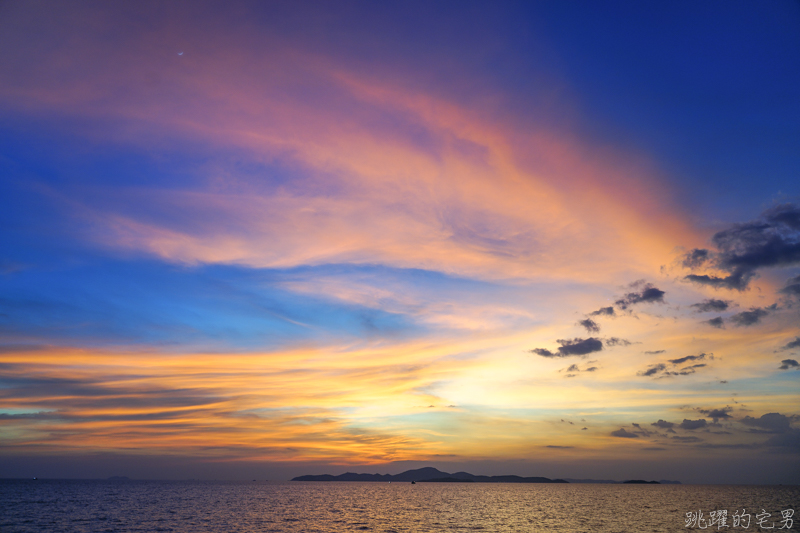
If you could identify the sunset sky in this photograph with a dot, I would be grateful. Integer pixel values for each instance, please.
(264, 239)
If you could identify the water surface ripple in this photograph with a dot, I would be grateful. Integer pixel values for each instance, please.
(209, 507)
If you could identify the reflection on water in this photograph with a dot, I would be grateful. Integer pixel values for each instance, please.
(196, 506)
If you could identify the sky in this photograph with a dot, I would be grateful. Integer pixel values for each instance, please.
(266, 239)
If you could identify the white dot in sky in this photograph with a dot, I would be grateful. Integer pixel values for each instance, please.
(180, 53)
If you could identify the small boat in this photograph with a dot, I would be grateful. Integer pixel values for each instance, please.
(413, 482)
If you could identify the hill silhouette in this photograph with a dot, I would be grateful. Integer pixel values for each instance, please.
(428, 474)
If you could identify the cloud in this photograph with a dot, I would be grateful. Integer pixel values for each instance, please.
(696, 258)
(654, 352)
(616, 341)
(663, 424)
(790, 440)
(717, 414)
(771, 241)
(661, 368)
(693, 424)
(579, 346)
(574, 369)
(682, 360)
(712, 305)
(572, 347)
(621, 432)
(717, 322)
(791, 345)
(687, 439)
(751, 317)
(792, 287)
(685, 371)
(786, 364)
(603, 311)
(590, 325)
(648, 294)
(653, 370)
(773, 422)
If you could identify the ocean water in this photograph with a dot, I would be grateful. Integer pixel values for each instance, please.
(197, 506)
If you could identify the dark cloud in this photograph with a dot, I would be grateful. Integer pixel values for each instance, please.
(696, 258)
(687, 439)
(717, 322)
(693, 424)
(624, 434)
(773, 422)
(571, 347)
(663, 424)
(590, 325)
(792, 287)
(753, 316)
(717, 414)
(712, 305)
(573, 370)
(661, 368)
(791, 345)
(647, 294)
(39, 415)
(737, 282)
(616, 341)
(790, 440)
(685, 371)
(786, 364)
(603, 311)
(771, 241)
(579, 346)
(653, 370)
(654, 352)
(559, 447)
(682, 360)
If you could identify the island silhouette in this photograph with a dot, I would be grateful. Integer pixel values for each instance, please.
(428, 474)
(433, 475)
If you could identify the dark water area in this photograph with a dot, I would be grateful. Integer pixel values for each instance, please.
(198, 506)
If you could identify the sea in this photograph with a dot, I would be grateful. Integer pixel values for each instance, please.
(66, 506)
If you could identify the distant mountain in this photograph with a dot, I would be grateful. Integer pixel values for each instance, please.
(428, 474)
